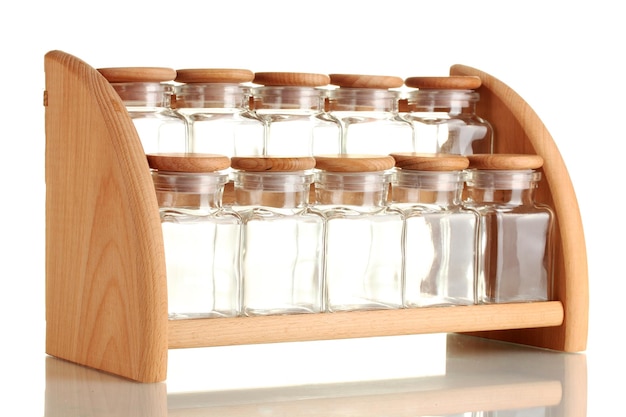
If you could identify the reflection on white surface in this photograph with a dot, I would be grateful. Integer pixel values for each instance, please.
(479, 378)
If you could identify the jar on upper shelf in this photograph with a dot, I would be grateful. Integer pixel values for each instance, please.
(363, 249)
(215, 103)
(147, 94)
(366, 106)
(515, 245)
(283, 239)
(439, 242)
(291, 104)
(201, 237)
(442, 111)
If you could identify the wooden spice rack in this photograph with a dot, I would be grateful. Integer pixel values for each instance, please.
(106, 291)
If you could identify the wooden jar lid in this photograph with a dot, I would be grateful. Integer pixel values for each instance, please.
(354, 163)
(188, 162)
(365, 81)
(430, 162)
(138, 74)
(272, 163)
(214, 75)
(505, 161)
(297, 79)
(453, 82)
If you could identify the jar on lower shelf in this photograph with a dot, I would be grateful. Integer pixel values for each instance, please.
(439, 243)
(283, 239)
(201, 238)
(363, 254)
(515, 262)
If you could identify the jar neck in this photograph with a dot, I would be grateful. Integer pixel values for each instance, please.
(286, 98)
(211, 95)
(365, 189)
(514, 188)
(272, 189)
(137, 94)
(189, 190)
(362, 99)
(453, 102)
(440, 188)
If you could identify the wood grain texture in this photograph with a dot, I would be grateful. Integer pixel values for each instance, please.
(138, 74)
(366, 81)
(503, 161)
(106, 302)
(354, 163)
(214, 75)
(296, 79)
(518, 129)
(342, 325)
(188, 162)
(453, 82)
(271, 163)
(430, 162)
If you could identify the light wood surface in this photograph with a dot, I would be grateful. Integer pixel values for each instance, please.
(505, 161)
(518, 129)
(354, 163)
(430, 162)
(214, 75)
(271, 163)
(297, 79)
(138, 74)
(188, 162)
(106, 295)
(366, 81)
(452, 82)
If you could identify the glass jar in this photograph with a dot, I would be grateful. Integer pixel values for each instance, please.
(363, 252)
(147, 94)
(283, 238)
(443, 113)
(292, 106)
(440, 234)
(515, 232)
(215, 103)
(202, 239)
(366, 107)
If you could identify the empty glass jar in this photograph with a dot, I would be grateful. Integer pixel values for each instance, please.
(215, 103)
(367, 109)
(202, 239)
(443, 113)
(515, 249)
(440, 235)
(292, 106)
(147, 94)
(283, 239)
(363, 255)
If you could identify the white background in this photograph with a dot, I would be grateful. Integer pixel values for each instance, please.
(564, 58)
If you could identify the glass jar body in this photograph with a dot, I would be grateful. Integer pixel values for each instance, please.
(282, 244)
(201, 244)
(445, 121)
(295, 123)
(515, 237)
(369, 121)
(440, 236)
(219, 119)
(363, 256)
(158, 126)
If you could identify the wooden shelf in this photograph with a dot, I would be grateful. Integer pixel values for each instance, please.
(106, 295)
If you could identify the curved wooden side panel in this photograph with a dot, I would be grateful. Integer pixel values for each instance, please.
(519, 130)
(106, 300)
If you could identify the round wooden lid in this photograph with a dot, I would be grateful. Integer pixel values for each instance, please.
(138, 74)
(354, 162)
(453, 82)
(430, 162)
(297, 79)
(272, 163)
(214, 75)
(505, 161)
(365, 81)
(188, 162)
